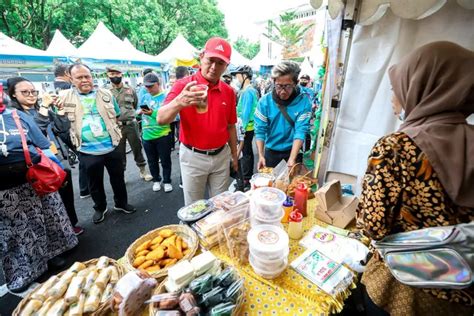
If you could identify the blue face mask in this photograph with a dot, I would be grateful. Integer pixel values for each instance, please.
(401, 116)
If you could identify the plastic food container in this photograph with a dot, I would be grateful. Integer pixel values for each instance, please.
(255, 220)
(267, 203)
(195, 211)
(220, 198)
(260, 180)
(268, 242)
(267, 274)
(269, 265)
(235, 200)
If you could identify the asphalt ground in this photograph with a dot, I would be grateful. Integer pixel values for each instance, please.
(112, 237)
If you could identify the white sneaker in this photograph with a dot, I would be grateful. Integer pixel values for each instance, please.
(168, 187)
(156, 186)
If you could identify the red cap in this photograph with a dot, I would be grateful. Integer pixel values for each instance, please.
(218, 47)
(296, 216)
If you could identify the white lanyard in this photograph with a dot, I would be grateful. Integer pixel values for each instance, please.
(3, 145)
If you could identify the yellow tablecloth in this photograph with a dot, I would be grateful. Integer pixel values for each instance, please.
(290, 293)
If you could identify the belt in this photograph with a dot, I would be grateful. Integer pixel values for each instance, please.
(204, 152)
(124, 123)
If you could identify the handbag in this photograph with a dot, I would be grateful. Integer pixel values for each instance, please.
(437, 257)
(46, 176)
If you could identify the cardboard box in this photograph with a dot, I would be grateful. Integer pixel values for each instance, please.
(333, 208)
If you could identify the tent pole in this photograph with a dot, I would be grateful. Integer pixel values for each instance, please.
(332, 107)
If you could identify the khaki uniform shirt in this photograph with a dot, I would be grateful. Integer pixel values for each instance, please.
(127, 99)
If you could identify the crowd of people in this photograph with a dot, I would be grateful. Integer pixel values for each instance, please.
(217, 114)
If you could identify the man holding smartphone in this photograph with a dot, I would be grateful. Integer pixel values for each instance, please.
(156, 137)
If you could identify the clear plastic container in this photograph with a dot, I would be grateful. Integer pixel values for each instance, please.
(255, 220)
(220, 198)
(269, 265)
(267, 203)
(267, 274)
(235, 200)
(195, 211)
(260, 180)
(268, 242)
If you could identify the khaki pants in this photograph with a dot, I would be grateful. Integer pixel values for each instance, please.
(201, 172)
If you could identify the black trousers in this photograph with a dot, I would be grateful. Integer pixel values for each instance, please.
(83, 182)
(159, 149)
(94, 166)
(67, 195)
(247, 156)
(273, 157)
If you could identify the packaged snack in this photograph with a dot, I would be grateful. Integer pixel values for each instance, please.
(234, 200)
(181, 272)
(41, 293)
(208, 225)
(219, 199)
(202, 284)
(93, 299)
(46, 306)
(103, 278)
(31, 308)
(77, 308)
(77, 266)
(213, 297)
(132, 291)
(223, 309)
(225, 278)
(114, 275)
(203, 262)
(232, 292)
(195, 211)
(109, 290)
(236, 244)
(58, 308)
(188, 304)
(74, 290)
(93, 274)
(58, 289)
(102, 263)
(165, 301)
(260, 180)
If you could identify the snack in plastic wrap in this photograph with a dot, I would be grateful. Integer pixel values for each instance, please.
(195, 211)
(31, 308)
(219, 199)
(109, 290)
(103, 278)
(213, 297)
(77, 266)
(132, 291)
(58, 308)
(58, 289)
(236, 244)
(42, 293)
(102, 263)
(188, 304)
(93, 299)
(90, 279)
(223, 309)
(166, 301)
(202, 284)
(74, 290)
(203, 262)
(46, 306)
(232, 292)
(225, 278)
(77, 309)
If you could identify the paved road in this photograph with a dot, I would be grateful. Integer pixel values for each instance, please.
(118, 231)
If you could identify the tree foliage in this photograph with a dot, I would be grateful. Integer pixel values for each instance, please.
(287, 33)
(150, 25)
(247, 48)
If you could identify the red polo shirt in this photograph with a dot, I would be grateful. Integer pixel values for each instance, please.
(206, 130)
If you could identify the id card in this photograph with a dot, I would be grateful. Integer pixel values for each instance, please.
(96, 127)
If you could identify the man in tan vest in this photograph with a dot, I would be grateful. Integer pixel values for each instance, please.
(128, 102)
(96, 135)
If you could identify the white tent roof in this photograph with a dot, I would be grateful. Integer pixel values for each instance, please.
(60, 45)
(9, 46)
(180, 49)
(306, 68)
(139, 55)
(373, 10)
(103, 44)
(237, 58)
(262, 60)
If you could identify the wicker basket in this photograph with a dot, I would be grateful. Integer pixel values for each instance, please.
(183, 231)
(25, 300)
(160, 289)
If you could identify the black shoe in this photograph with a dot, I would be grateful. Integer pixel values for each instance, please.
(99, 216)
(19, 290)
(56, 263)
(127, 209)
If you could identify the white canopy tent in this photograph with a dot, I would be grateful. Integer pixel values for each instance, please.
(307, 68)
(60, 45)
(138, 55)
(261, 60)
(237, 58)
(9, 46)
(381, 38)
(180, 51)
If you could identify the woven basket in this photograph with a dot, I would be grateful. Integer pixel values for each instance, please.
(26, 299)
(160, 289)
(186, 233)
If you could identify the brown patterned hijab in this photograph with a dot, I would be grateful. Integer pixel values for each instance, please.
(435, 86)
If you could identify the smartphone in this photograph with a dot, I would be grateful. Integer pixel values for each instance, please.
(145, 107)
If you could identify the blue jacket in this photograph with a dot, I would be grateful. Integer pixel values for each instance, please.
(272, 127)
(246, 107)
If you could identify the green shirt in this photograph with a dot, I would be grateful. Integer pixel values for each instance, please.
(98, 142)
(150, 128)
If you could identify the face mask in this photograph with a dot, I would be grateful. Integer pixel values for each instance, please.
(303, 84)
(116, 80)
(236, 84)
(401, 116)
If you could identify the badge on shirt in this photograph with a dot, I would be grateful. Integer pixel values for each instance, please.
(96, 127)
(105, 98)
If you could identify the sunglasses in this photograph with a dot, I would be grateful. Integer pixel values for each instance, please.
(286, 87)
(26, 93)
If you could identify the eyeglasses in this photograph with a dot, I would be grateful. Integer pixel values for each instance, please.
(26, 93)
(286, 87)
(217, 61)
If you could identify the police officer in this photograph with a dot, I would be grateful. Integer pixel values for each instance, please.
(128, 101)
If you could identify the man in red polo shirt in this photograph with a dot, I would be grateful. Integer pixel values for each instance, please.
(207, 132)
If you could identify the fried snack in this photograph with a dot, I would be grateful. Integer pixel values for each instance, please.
(58, 289)
(77, 266)
(301, 179)
(103, 278)
(157, 240)
(58, 308)
(41, 293)
(170, 263)
(142, 253)
(143, 246)
(169, 241)
(156, 254)
(184, 244)
(74, 290)
(46, 306)
(174, 253)
(154, 268)
(178, 244)
(90, 280)
(107, 293)
(165, 233)
(93, 299)
(77, 308)
(31, 308)
(265, 170)
(114, 275)
(102, 263)
(146, 264)
(138, 261)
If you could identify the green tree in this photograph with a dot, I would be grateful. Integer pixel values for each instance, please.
(287, 33)
(150, 24)
(247, 48)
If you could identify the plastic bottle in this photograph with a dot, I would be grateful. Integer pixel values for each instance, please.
(301, 198)
(288, 208)
(295, 227)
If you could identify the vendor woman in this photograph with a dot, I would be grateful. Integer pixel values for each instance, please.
(422, 175)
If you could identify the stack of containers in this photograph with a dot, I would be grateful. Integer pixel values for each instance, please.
(269, 249)
(266, 207)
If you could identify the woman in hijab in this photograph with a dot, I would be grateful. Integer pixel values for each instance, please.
(422, 175)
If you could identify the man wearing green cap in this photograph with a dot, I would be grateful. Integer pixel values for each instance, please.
(128, 101)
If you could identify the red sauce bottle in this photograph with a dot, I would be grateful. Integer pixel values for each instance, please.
(301, 198)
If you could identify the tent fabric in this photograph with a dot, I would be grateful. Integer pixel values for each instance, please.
(179, 51)
(138, 54)
(366, 114)
(60, 45)
(307, 69)
(9, 46)
(373, 10)
(237, 58)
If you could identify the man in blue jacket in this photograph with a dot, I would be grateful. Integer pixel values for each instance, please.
(282, 118)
